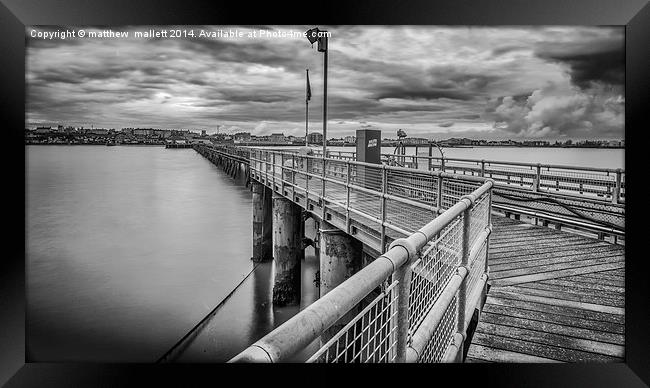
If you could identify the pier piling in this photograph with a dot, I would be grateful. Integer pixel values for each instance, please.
(287, 250)
(340, 258)
(262, 223)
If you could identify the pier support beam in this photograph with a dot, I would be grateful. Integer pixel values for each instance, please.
(287, 250)
(340, 258)
(262, 223)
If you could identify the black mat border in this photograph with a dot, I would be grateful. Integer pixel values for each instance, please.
(16, 14)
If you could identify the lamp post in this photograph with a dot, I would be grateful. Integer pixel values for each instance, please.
(314, 35)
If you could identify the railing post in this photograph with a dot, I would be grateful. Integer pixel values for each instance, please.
(323, 190)
(482, 167)
(307, 182)
(439, 193)
(617, 191)
(347, 196)
(430, 163)
(273, 171)
(384, 185)
(282, 174)
(462, 291)
(402, 289)
(538, 176)
(293, 177)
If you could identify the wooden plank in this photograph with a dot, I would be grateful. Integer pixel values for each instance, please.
(582, 279)
(529, 234)
(530, 247)
(539, 350)
(519, 301)
(549, 253)
(557, 267)
(533, 262)
(518, 311)
(572, 292)
(615, 272)
(566, 303)
(502, 237)
(528, 322)
(603, 276)
(470, 360)
(584, 285)
(480, 353)
(583, 298)
(555, 340)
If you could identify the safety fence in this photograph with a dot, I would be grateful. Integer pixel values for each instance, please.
(598, 183)
(374, 202)
(414, 301)
(591, 199)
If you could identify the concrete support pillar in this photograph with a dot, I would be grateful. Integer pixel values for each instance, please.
(287, 250)
(262, 223)
(340, 258)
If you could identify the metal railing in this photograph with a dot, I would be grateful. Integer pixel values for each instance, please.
(375, 203)
(598, 183)
(412, 303)
(591, 199)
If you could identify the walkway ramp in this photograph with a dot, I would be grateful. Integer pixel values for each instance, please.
(554, 297)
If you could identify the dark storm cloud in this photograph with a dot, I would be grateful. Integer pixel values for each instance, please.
(600, 61)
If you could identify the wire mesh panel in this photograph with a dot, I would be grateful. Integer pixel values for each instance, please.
(369, 337)
(594, 212)
(454, 189)
(478, 219)
(476, 270)
(337, 170)
(417, 186)
(407, 217)
(463, 167)
(442, 336)
(431, 273)
(596, 183)
(621, 193)
(506, 174)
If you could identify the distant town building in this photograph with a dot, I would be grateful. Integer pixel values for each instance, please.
(277, 138)
(350, 139)
(242, 136)
(97, 131)
(315, 138)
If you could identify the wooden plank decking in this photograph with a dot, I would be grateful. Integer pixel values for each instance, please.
(554, 297)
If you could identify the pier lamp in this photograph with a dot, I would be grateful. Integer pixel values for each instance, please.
(315, 35)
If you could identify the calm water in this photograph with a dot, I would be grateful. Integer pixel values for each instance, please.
(129, 247)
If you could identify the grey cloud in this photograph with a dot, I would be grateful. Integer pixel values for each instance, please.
(592, 61)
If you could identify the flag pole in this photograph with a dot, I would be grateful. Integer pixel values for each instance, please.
(324, 39)
(307, 112)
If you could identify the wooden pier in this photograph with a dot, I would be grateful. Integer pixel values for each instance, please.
(553, 297)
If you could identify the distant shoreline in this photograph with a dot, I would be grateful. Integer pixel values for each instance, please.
(346, 145)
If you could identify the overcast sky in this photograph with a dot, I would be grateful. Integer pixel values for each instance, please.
(435, 82)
